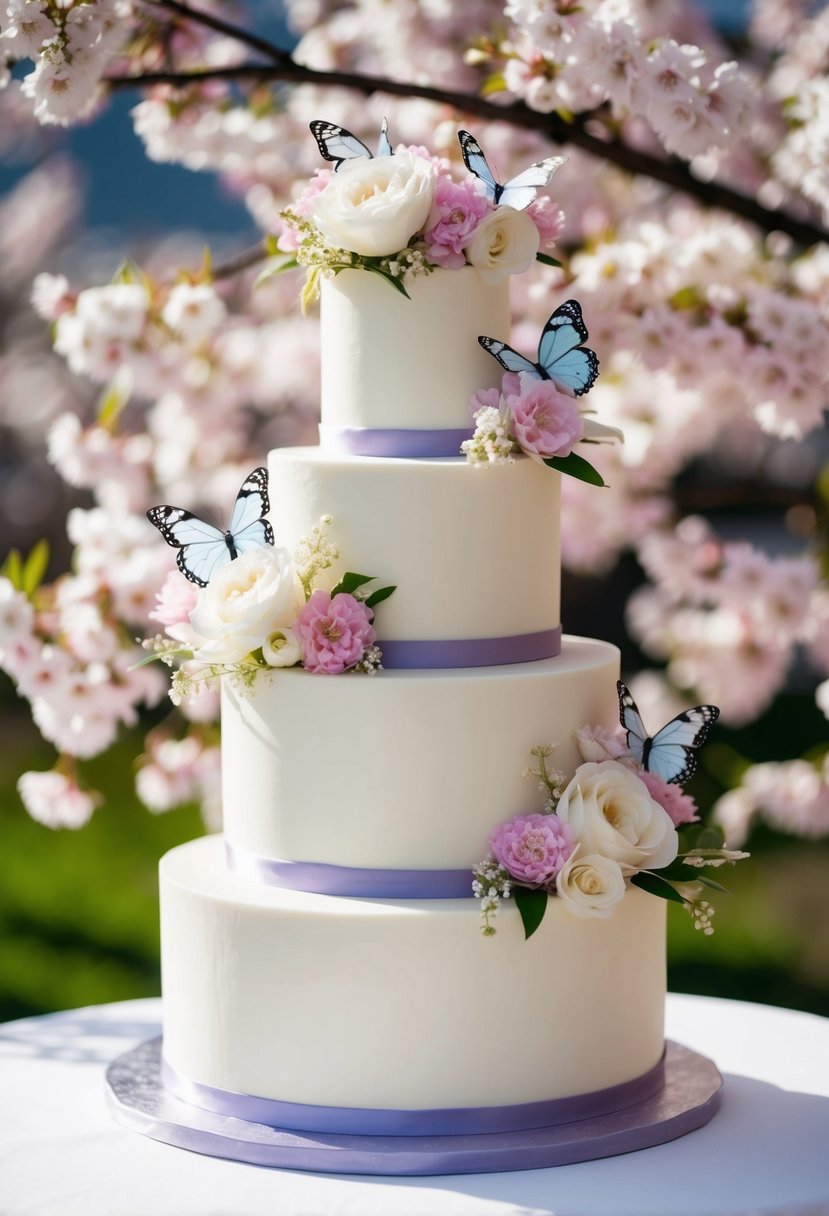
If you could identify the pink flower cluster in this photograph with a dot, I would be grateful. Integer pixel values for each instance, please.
(457, 209)
(334, 632)
(534, 416)
(727, 616)
(532, 848)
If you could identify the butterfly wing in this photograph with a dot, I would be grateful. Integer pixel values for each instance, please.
(248, 527)
(520, 191)
(672, 751)
(632, 723)
(384, 143)
(202, 549)
(560, 352)
(337, 144)
(510, 359)
(476, 163)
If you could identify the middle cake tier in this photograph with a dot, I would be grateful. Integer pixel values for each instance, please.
(474, 552)
(400, 771)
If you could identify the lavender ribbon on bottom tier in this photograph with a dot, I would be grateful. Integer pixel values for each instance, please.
(455, 1121)
(393, 442)
(320, 878)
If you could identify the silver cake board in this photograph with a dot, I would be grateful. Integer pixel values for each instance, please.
(690, 1098)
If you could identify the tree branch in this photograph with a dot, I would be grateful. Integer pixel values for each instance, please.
(671, 172)
(269, 49)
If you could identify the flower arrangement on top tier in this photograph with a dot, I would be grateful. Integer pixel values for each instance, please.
(535, 410)
(400, 213)
(249, 606)
(621, 820)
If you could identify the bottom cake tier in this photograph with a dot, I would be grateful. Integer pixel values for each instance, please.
(398, 1016)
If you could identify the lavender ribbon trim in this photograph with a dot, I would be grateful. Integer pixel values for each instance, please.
(319, 878)
(377, 441)
(456, 1121)
(472, 652)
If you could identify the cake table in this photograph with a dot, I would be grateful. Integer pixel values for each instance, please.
(765, 1152)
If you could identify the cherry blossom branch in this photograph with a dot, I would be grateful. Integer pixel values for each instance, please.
(671, 172)
(269, 49)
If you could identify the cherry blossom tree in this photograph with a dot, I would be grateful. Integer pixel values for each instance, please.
(691, 223)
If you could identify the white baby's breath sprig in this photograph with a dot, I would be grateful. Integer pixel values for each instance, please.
(314, 554)
(490, 884)
(491, 441)
(371, 662)
(551, 781)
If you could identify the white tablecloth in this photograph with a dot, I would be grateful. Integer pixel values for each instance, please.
(766, 1153)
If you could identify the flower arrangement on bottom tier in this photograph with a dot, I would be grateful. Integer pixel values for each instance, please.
(621, 820)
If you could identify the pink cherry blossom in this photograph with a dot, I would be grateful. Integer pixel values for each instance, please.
(532, 848)
(56, 800)
(175, 600)
(334, 632)
(546, 422)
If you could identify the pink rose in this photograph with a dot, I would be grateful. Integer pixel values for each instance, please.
(289, 238)
(532, 848)
(174, 602)
(546, 422)
(334, 634)
(456, 211)
(548, 219)
(680, 806)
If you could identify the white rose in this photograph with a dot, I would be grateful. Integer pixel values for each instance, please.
(245, 603)
(505, 242)
(590, 885)
(281, 648)
(372, 207)
(611, 813)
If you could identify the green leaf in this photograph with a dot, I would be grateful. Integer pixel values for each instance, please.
(274, 268)
(113, 399)
(126, 273)
(532, 904)
(715, 886)
(546, 259)
(496, 83)
(12, 569)
(272, 246)
(384, 274)
(349, 583)
(655, 885)
(35, 568)
(207, 265)
(576, 466)
(378, 596)
(310, 292)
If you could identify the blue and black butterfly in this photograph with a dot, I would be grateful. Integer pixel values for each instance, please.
(561, 356)
(203, 550)
(339, 145)
(670, 752)
(519, 191)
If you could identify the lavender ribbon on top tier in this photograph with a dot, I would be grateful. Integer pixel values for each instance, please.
(406, 444)
(471, 652)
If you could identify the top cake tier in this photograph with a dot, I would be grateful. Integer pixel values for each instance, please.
(398, 373)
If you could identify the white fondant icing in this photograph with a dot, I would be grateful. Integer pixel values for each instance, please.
(392, 362)
(403, 769)
(400, 1004)
(474, 552)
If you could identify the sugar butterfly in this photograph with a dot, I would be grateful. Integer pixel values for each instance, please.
(519, 191)
(670, 752)
(339, 145)
(561, 356)
(203, 550)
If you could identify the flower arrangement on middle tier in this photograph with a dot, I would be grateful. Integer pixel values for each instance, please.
(400, 213)
(622, 819)
(249, 606)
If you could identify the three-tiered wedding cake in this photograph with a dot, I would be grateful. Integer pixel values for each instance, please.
(322, 961)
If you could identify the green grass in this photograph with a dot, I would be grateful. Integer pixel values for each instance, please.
(79, 910)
